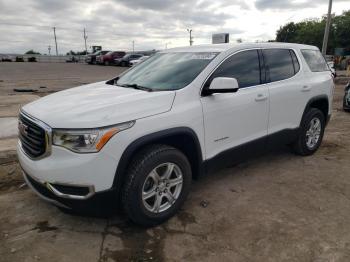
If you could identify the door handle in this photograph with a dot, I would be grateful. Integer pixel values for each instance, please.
(305, 88)
(260, 97)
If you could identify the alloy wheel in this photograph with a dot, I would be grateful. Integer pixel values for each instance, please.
(313, 133)
(162, 187)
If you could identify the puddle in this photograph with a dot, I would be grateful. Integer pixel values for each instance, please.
(139, 244)
(186, 218)
(44, 226)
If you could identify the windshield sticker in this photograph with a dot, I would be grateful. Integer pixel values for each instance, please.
(203, 56)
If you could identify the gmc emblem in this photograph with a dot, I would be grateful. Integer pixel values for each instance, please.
(23, 129)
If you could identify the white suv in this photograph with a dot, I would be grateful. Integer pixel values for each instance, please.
(141, 138)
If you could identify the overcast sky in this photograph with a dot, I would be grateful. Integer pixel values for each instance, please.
(114, 24)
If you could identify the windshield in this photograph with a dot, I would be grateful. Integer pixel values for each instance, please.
(167, 71)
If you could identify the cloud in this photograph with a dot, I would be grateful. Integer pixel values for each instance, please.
(290, 4)
(114, 24)
(155, 5)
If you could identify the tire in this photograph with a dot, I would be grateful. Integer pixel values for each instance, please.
(155, 157)
(106, 63)
(302, 146)
(123, 64)
(346, 108)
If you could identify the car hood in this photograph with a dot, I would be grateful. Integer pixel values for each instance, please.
(98, 105)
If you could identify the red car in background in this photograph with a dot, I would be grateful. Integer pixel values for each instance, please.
(108, 59)
(91, 58)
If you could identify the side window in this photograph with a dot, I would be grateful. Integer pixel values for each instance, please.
(295, 61)
(315, 60)
(243, 66)
(279, 64)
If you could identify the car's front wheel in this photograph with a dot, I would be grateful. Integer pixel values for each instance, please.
(310, 133)
(156, 185)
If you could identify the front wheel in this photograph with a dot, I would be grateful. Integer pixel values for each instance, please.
(310, 133)
(157, 184)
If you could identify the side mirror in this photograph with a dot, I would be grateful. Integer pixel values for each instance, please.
(222, 85)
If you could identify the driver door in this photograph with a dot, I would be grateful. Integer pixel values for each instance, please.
(236, 123)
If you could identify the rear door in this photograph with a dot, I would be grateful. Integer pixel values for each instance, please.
(236, 120)
(288, 90)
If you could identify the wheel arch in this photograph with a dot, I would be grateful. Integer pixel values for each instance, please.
(320, 102)
(182, 138)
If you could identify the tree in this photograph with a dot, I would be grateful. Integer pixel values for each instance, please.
(31, 52)
(311, 32)
(287, 33)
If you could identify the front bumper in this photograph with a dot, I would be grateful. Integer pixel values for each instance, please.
(95, 171)
(100, 202)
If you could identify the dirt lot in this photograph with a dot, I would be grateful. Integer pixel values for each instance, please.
(279, 207)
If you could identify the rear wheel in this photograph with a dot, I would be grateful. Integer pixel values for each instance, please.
(123, 63)
(106, 63)
(311, 133)
(157, 184)
(346, 107)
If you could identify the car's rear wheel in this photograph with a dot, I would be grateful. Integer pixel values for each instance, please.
(123, 63)
(106, 63)
(156, 185)
(310, 133)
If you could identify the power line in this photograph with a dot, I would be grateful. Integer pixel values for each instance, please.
(39, 26)
(27, 25)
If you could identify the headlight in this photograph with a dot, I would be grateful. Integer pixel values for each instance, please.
(87, 140)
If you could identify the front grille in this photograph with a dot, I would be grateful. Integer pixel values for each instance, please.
(32, 137)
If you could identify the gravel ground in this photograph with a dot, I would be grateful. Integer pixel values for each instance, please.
(278, 207)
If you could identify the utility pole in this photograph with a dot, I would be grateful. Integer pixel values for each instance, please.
(85, 37)
(166, 44)
(133, 46)
(54, 33)
(190, 31)
(49, 48)
(326, 31)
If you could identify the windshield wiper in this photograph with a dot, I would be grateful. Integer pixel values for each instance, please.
(136, 86)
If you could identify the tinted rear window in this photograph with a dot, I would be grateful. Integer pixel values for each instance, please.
(279, 64)
(315, 60)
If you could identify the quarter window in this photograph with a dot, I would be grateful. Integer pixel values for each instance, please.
(279, 64)
(315, 60)
(243, 66)
(295, 61)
